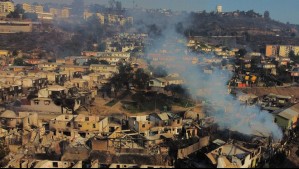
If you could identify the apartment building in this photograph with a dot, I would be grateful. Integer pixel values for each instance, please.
(6, 6)
(281, 50)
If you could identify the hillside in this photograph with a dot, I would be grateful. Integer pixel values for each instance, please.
(235, 24)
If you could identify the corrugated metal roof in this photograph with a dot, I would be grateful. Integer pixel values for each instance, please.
(289, 114)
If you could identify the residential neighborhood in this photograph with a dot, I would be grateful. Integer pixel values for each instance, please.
(93, 85)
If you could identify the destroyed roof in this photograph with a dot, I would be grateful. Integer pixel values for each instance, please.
(138, 159)
(245, 97)
(41, 164)
(169, 78)
(279, 96)
(83, 118)
(219, 142)
(220, 155)
(65, 118)
(160, 80)
(79, 153)
(56, 88)
(223, 162)
(100, 65)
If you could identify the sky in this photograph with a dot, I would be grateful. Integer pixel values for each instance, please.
(282, 10)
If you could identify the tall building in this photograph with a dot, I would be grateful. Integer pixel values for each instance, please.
(39, 9)
(26, 7)
(33, 8)
(272, 50)
(281, 50)
(15, 26)
(65, 13)
(285, 50)
(60, 13)
(100, 16)
(219, 9)
(6, 6)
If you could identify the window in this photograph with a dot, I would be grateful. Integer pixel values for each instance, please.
(179, 121)
(143, 125)
(67, 133)
(36, 102)
(46, 102)
(86, 118)
(94, 126)
(55, 164)
(79, 125)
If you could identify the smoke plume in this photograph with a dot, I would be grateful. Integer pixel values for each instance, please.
(228, 112)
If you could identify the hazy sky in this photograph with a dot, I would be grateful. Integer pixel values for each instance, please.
(282, 10)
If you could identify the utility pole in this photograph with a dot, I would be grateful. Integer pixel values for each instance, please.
(156, 102)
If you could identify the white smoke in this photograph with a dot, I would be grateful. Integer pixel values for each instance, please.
(227, 110)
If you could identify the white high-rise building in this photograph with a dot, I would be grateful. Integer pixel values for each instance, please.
(6, 6)
(219, 9)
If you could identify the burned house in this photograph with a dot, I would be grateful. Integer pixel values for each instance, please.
(248, 99)
(49, 105)
(56, 164)
(10, 92)
(235, 156)
(32, 83)
(55, 99)
(10, 120)
(62, 125)
(273, 102)
(85, 126)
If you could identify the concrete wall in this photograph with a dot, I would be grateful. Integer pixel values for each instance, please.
(104, 125)
(88, 126)
(123, 166)
(140, 126)
(53, 164)
(185, 152)
(283, 123)
(15, 27)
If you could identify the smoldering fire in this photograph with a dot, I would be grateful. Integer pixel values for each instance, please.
(228, 111)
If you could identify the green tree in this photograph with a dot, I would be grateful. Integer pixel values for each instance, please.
(267, 15)
(19, 62)
(159, 71)
(176, 90)
(95, 27)
(118, 6)
(141, 79)
(104, 62)
(17, 12)
(241, 53)
(122, 79)
(31, 16)
(92, 61)
(102, 47)
(15, 53)
(294, 57)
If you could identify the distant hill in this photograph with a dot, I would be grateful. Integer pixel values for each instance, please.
(237, 23)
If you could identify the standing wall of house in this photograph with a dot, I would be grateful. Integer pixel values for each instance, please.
(104, 125)
(282, 122)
